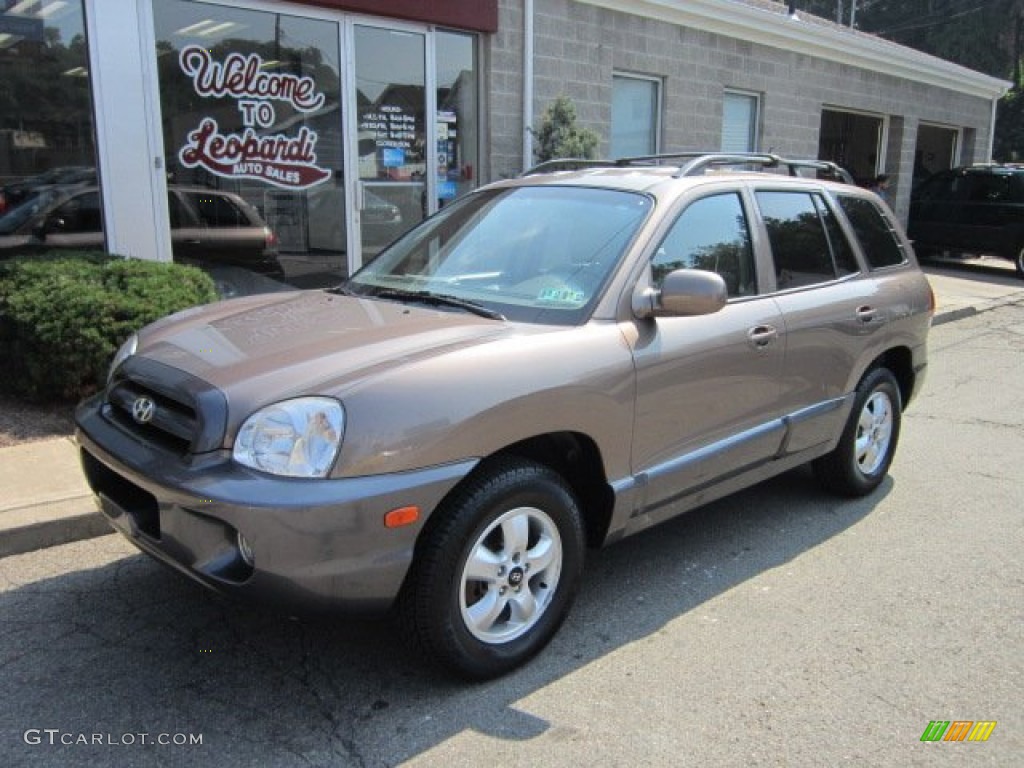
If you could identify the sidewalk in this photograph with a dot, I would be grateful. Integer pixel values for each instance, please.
(44, 500)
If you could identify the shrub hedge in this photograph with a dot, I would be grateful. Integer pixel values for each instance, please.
(63, 316)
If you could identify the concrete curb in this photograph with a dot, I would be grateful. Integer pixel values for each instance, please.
(47, 525)
(31, 520)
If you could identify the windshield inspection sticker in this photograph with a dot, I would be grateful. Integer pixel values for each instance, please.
(562, 294)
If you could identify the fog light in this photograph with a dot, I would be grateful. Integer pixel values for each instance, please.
(245, 550)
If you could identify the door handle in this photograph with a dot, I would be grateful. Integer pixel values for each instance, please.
(762, 335)
(866, 314)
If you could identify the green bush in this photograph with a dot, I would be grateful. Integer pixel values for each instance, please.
(559, 136)
(63, 316)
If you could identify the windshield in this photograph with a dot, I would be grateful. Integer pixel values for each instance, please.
(531, 254)
(26, 210)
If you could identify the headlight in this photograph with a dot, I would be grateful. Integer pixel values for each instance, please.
(127, 350)
(295, 438)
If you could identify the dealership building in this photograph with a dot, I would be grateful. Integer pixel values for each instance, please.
(318, 130)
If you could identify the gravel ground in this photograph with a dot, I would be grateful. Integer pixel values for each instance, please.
(23, 423)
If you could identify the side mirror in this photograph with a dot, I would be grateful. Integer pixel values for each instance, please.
(684, 292)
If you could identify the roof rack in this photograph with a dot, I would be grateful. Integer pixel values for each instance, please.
(568, 164)
(698, 162)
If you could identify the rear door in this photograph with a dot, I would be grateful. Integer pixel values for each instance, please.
(708, 386)
(833, 313)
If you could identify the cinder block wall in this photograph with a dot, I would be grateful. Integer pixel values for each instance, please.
(579, 46)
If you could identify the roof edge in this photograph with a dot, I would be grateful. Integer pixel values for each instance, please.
(823, 41)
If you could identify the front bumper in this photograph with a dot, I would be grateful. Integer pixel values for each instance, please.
(317, 545)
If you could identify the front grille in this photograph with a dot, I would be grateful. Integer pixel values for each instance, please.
(184, 413)
(173, 423)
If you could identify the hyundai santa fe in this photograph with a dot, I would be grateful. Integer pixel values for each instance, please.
(544, 367)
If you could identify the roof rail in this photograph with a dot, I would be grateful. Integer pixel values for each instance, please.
(567, 164)
(697, 162)
(701, 161)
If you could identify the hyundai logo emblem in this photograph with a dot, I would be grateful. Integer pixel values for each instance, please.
(143, 409)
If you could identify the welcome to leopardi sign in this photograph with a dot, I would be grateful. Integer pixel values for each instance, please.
(285, 161)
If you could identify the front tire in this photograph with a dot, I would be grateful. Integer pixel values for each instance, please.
(496, 572)
(861, 460)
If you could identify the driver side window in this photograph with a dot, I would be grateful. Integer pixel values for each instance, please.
(711, 234)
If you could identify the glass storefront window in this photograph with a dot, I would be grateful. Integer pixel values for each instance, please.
(457, 109)
(47, 148)
(252, 128)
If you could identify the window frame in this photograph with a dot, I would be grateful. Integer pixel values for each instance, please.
(754, 134)
(817, 195)
(658, 111)
(753, 238)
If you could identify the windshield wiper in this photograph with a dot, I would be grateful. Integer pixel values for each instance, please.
(342, 290)
(438, 300)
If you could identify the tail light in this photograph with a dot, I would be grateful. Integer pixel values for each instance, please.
(269, 237)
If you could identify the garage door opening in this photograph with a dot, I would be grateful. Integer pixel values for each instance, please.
(936, 150)
(854, 141)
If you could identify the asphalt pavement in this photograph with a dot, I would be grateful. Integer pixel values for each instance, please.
(44, 500)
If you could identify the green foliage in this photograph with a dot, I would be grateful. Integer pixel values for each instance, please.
(1009, 144)
(559, 136)
(63, 316)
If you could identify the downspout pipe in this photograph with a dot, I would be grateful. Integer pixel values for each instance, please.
(992, 129)
(527, 84)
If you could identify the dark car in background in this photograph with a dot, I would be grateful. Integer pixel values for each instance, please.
(209, 228)
(974, 209)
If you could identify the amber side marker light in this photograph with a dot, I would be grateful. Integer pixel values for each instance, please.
(396, 518)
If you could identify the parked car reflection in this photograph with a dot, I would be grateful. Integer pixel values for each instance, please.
(208, 227)
(15, 193)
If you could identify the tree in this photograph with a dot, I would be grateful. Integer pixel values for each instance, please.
(559, 136)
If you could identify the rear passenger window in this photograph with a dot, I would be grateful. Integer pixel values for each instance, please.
(842, 252)
(878, 240)
(81, 214)
(800, 247)
(217, 211)
(711, 234)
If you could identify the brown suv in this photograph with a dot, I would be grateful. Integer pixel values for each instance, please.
(549, 363)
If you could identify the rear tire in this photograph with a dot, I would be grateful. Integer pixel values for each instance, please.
(1019, 262)
(866, 448)
(497, 571)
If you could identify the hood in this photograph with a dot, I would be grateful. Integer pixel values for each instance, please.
(266, 348)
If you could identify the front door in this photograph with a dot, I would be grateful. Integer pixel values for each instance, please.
(392, 145)
(707, 387)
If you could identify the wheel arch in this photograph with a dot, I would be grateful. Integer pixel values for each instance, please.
(576, 458)
(900, 361)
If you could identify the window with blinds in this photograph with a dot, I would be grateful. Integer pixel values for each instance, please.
(739, 122)
(636, 111)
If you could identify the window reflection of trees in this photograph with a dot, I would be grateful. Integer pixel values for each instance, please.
(800, 249)
(698, 241)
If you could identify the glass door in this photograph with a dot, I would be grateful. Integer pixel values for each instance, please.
(392, 142)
